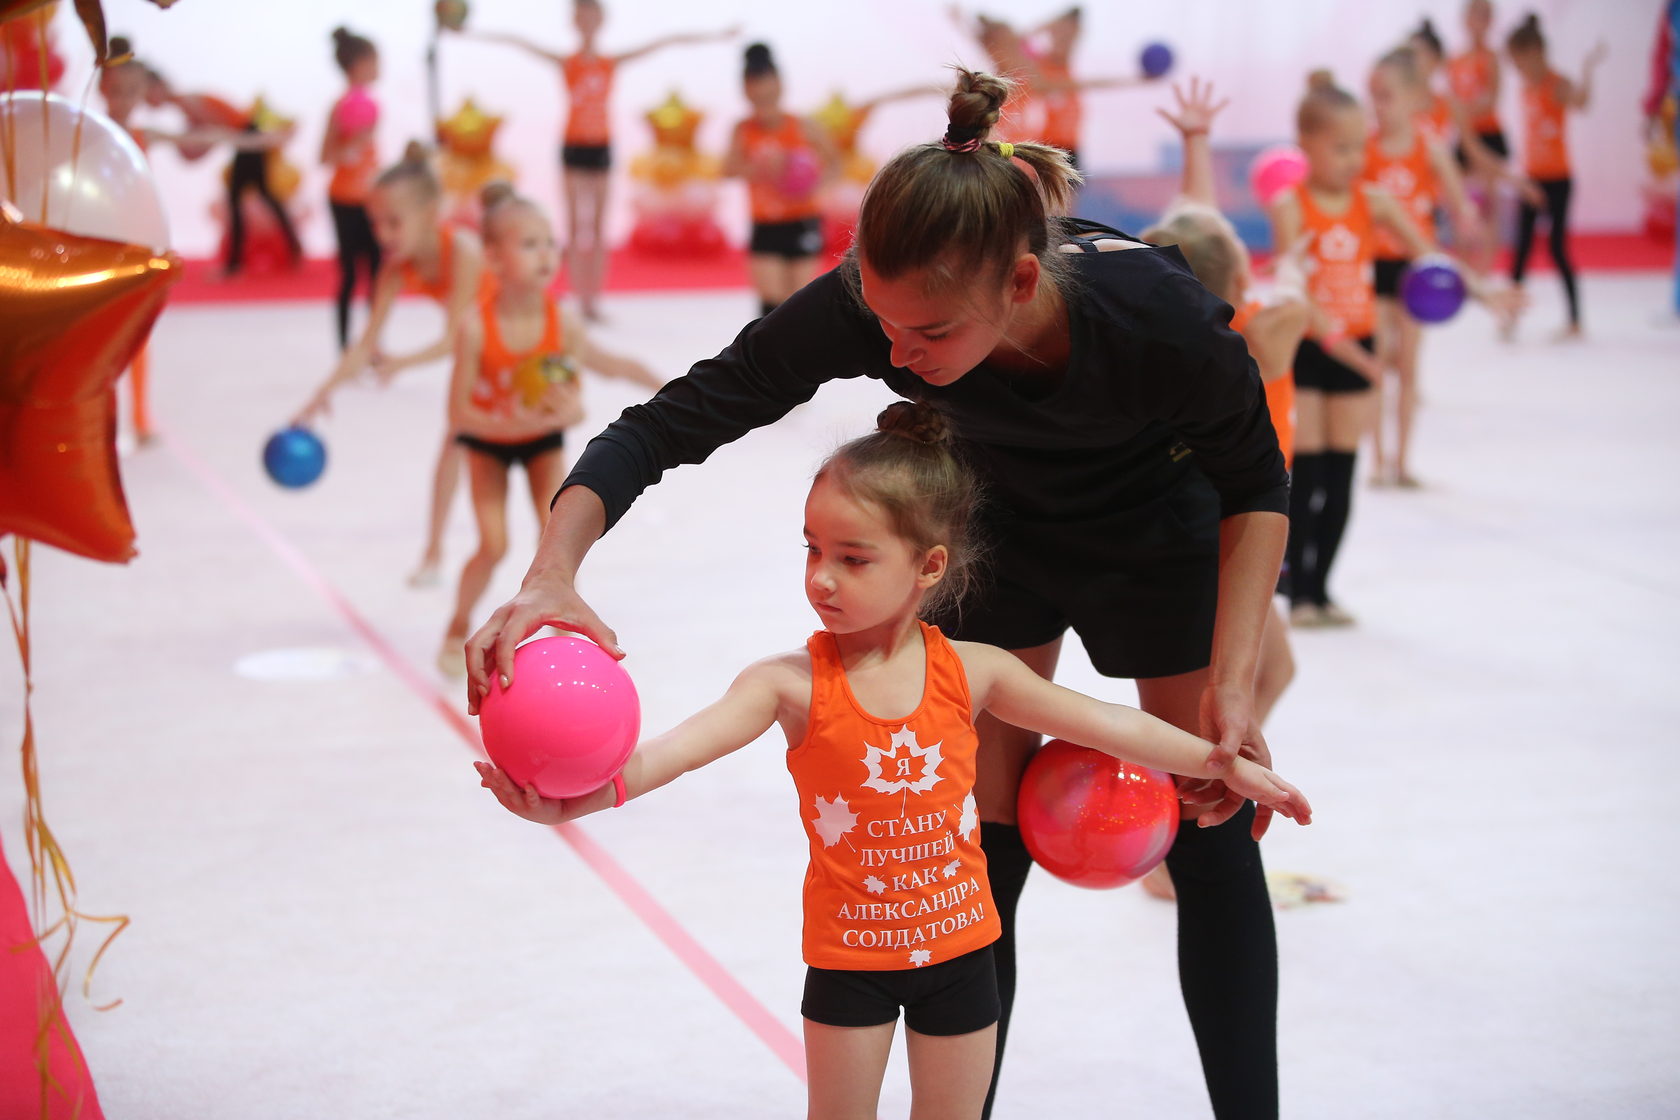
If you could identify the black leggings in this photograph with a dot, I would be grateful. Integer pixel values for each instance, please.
(1557, 192)
(250, 171)
(1227, 956)
(356, 248)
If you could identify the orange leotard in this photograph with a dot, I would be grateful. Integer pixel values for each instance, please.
(510, 382)
(1545, 145)
(352, 180)
(897, 879)
(442, 286)
(1411, 179)
(588, 84)
(1063, 112)
(1280, 393)
(766, 199)
(1338, 264)
(1471, 77)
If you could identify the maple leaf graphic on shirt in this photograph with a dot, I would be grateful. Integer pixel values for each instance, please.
(834, 819)
(874, 885)
(919, 957)
(970, 816)
(952, 868)
(905, 765)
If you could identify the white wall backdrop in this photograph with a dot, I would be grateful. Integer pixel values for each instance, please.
(1257, 50)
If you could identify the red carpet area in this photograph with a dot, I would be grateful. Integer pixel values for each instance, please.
(631, 271)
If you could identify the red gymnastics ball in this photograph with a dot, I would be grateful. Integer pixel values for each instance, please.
(1093, 820)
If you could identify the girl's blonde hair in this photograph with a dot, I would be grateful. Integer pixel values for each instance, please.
(909, 469)
(415, 169)
(497, 199)
(1323, 101)
(1210, 246)
(961, 208)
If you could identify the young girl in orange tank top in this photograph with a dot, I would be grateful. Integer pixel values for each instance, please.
(877, 710)
(1335, 369)
(1548, 97)
(785, 160)
(1412, 164)
(586, 145)
(515, 390)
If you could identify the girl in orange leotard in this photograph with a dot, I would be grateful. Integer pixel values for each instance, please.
(1335, 369)
(785, 160)
(1407, 160)
(1547, 98)
(515, 390)
(878, 710)
(586, 150)
(421, 256)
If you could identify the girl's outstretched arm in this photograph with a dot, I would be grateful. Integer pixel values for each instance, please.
(1504, 303)
(745, 712)
(362, 351)
(681, 39)
(1003, 685)
(509, 40)
(468, 274)
(604, 362)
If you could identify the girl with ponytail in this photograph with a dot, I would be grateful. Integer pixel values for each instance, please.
(1135, 494)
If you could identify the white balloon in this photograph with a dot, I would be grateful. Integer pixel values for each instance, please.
(97, 184)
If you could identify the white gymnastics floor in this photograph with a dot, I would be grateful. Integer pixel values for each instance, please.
(331, 918)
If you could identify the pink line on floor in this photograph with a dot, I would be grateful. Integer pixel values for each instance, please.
(658, 920)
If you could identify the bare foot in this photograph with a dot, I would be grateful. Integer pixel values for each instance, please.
(426, 575)
(452, 656)
(1570, 333)
(1408, 482)
(1158, 884)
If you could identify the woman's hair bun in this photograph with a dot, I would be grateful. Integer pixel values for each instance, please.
(342, 34)
(121, 45)
(494, 193)
(415, 152)
(1320, 79)
(914, 420)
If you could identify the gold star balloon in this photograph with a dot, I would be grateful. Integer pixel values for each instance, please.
(674, 122)
(73, 313)
(470, 132)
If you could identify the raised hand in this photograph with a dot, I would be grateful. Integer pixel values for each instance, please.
(1195, 112)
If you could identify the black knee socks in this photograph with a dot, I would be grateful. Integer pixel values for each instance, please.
(1320, 499)
(1007, 864)
(1227, 964)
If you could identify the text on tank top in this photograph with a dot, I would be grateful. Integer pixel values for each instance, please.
(767, 200)
(511, 383)
(896, 878)
(1280, 392)
(588, 87)
(1411, 179)
(1545, 144)
(1338, 261)
(1471, 77)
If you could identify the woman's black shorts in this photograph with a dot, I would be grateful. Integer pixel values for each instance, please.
(958, 996)
(1138, 583)
(510, 453)
(1494, 141)
(1387, 273)
(586, 157)
(1314, 369)
(789, 240)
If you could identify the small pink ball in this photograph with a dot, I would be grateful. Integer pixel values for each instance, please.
(1275, 170)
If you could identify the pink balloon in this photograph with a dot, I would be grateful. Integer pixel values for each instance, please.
(1276, 170)
(1092, 820)
(568, 723)
(357, 111)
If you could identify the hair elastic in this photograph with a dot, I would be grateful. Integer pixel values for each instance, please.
(961, 139)
(618, 790)
(1006, 149)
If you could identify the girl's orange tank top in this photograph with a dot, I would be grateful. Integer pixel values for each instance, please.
(1411, 179)
(767, 200)
(442, 286)
(1471, 77)
(1545, 145)
(511, 382)
(1280, 393)
(897, 879)
(1338, 264)
(588, 85)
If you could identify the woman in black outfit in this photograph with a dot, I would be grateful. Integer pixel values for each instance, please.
(1135, 487)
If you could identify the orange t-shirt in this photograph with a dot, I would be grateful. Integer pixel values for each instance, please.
(1471, 77)
(588, 84)
(1280, 394)
(1063, 111)
(442, 286)
(1545, 145)
(767, 200)
(893, 883)
(352, 179)
(1338, 264)
(511, 382)
(1411, 179)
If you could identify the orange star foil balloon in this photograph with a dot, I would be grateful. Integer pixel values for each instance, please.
(470, 132)
(73, 312)
(674, 122)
